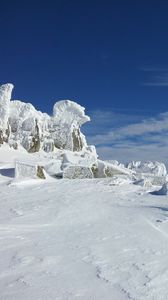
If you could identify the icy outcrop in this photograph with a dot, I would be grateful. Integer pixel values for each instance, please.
(155, 168)
(148, 173)
(22, 124)
(59, 138)
(29, 171)
(80, 172)
(73, 113)
(116, 163)
(68, 116)
(5, 96)
(87, 157)
(105, 169)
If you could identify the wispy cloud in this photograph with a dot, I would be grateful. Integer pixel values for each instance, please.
(131, 152)
(158, 80)
(157, 76)
(130, 137)
(149, 126)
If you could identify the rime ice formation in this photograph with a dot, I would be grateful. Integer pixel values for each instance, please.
(73, 172)
(68, 116)
(5, 96)
(58, 139)
(22, 124)
(74, 114)
(156, 168)
(148, 173)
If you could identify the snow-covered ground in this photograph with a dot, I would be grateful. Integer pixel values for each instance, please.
(81, 239)
(103, 238)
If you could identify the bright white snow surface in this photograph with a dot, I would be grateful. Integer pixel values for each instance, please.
(83, 239)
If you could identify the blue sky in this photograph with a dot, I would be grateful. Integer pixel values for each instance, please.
(109, 56)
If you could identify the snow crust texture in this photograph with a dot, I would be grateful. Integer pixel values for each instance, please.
(82, 239)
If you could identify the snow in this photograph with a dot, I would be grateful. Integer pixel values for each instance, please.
(22, 124)
(5, 96)
(80, 172)
(98, 238)
(83, 239)
(156, 168)
(73, 113)
(87, 158)
(80, 239)
(162, 191)
(106, 169)
(146, 182)
(23, 170)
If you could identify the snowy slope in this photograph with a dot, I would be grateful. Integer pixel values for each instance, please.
(82, 239)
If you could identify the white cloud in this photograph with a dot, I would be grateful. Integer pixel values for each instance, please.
(158, 80)
(143, 128)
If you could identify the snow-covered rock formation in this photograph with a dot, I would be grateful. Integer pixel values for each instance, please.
(58, 137)
(153, 173)
(68, 117)
(153, 168)
(5, 96)
(22, 124)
